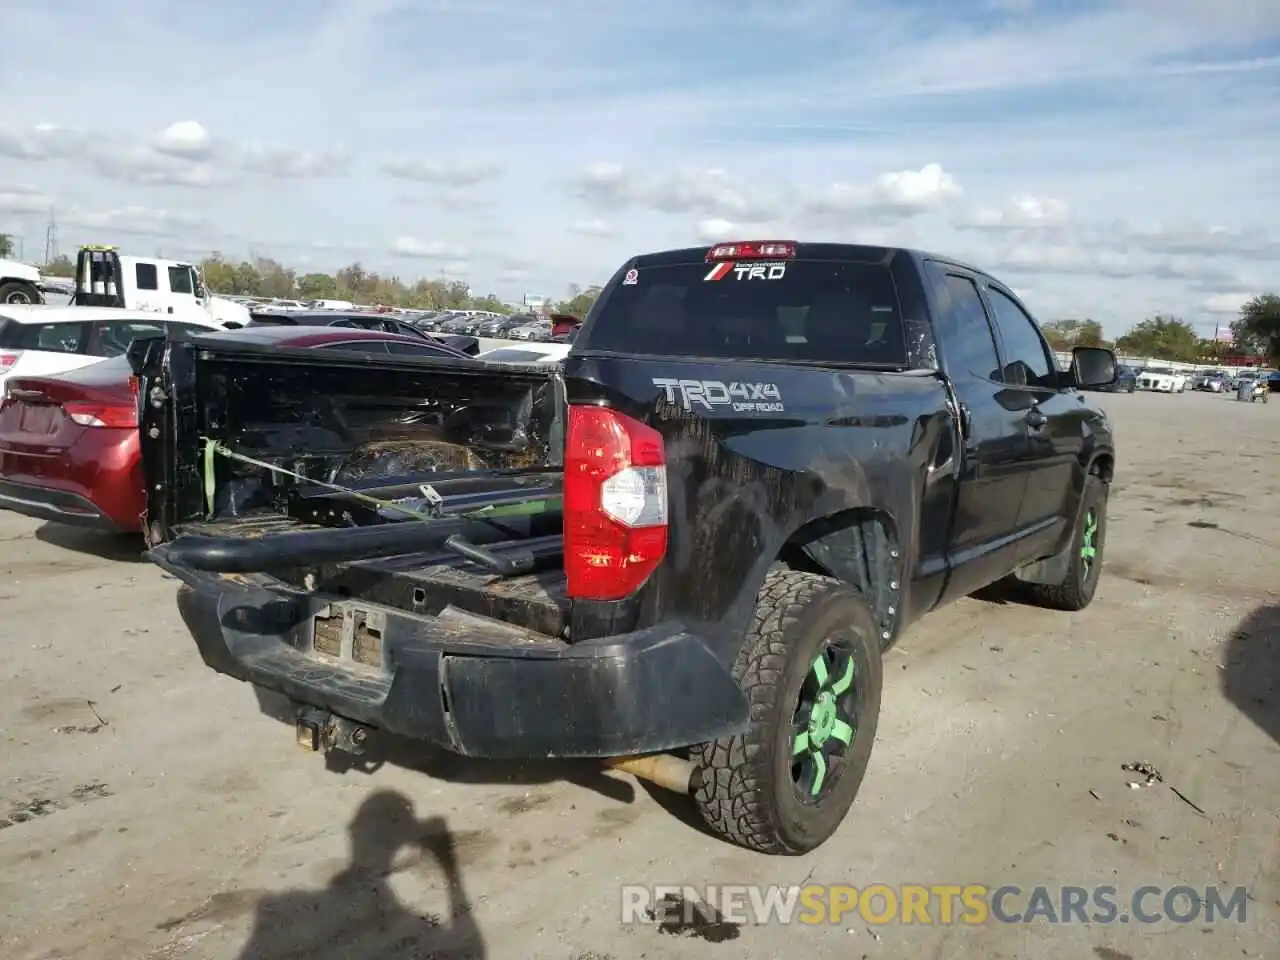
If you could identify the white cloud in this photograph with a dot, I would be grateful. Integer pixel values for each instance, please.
(456, 174)
(138, 221)
(902, 193)
(184, 154)
(715, 230)
(1023, 212)
(428, 250)
(24, 200)
(720, 197)
(1117, 158)
(592, 228)
(1227, 303)
(186, 138)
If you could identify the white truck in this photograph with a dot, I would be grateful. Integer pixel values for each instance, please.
(19, 283)
(104, 278)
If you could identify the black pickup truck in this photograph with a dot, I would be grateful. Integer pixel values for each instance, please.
(692, 539)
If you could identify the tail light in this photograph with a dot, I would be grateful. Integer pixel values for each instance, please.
(615, 503)
(90, 414)
(8, 361)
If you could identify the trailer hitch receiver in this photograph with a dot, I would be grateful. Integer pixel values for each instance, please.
(317, 730)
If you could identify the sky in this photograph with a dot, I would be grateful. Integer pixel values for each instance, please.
(1109, 159)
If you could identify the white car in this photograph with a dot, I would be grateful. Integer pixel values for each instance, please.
(533, 353)
(1162, 380)
(530, 331)
(40, 340)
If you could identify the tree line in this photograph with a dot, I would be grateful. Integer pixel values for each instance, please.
(264, 277)
(1255, 332)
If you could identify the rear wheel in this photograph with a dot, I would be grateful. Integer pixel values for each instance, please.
(1076, 590)
(810, 667)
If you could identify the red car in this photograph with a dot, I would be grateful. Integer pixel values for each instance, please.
(69, 443)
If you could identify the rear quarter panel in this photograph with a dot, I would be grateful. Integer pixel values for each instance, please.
(743, 481)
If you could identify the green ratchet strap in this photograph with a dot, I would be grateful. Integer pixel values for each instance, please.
(214, 449)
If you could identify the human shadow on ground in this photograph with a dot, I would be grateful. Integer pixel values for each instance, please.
(358, 917)
(117, 547)
(1251, 668)
(385, 748)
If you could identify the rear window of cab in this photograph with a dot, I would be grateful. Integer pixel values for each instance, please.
(800, 310)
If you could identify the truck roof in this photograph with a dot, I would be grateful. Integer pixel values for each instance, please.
(158, 261)
(863, 253)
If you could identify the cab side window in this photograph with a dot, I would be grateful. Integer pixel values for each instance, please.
(180, 280)
(1027, 362)
(964, 332)
(144, 275)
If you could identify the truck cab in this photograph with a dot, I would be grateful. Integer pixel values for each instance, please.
(104, 278)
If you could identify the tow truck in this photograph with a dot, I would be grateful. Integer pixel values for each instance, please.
(104, 278)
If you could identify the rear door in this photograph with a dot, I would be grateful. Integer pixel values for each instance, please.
(982, 544)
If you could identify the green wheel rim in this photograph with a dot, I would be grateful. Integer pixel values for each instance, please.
(825, 723)
(1089, 543)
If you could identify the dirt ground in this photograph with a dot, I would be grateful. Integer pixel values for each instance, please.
(155, 811)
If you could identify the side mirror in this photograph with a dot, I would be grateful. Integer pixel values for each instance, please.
(1093, 366)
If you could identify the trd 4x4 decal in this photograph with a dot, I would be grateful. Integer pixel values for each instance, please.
(716, 395)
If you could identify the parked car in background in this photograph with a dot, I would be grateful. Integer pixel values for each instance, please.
(1126, 381)
(362, 321)
(1162, 380)
(432, 320)
(536, 329)
(533, 353)
(1211, 381)
(40, 340)
(69, 442)
(564, 324)
(456, 324)
(499, 327)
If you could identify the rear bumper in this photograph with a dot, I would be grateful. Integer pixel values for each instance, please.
(439, 682)
(60, 506)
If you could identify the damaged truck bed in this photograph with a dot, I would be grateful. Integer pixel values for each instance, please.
(757, 466)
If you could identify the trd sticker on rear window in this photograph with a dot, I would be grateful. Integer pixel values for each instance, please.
(747, 271)
(631, 279)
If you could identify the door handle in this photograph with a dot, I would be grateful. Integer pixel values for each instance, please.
(1036, 418)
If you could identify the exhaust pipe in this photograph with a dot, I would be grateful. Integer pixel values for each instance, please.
(663, 769)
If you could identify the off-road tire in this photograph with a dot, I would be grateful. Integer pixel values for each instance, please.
(743, 785)
(10, 288)
(1081, 581)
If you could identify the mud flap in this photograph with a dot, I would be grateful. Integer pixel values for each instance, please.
(1050, 571)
